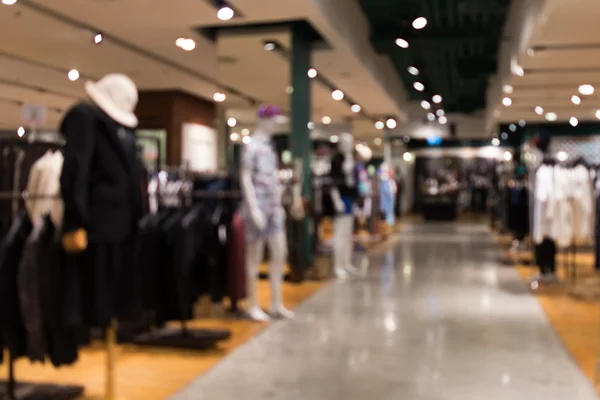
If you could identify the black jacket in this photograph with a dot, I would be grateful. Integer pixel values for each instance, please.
(99, 181)
(12, 328)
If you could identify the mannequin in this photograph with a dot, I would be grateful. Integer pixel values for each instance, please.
(343, 194)
(102, 201)
(263, 213)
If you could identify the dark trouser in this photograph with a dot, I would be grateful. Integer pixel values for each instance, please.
(545, 255)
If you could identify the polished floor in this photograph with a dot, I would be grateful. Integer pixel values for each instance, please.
(438, 317)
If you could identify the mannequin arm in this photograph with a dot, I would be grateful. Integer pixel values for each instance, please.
(75, 178)
(337, 200)
(250, 198)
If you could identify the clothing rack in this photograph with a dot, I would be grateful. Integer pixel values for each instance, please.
(184, 337)
(37, 391)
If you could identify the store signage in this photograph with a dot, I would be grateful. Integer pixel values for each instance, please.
(199, 147)
(434, 140)
(33, 115)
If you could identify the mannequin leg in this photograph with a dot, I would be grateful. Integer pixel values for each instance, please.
(278, 253)
(349, 245)
(338, 247)
(255, 253)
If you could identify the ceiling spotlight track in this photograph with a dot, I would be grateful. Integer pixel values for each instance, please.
(42, 65)
(48, 12)
(38, 89)
(19, 103)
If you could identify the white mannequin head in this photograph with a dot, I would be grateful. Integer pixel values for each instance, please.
(269, 120)
(346, 143)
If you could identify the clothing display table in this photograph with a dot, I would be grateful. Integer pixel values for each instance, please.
(440, 207)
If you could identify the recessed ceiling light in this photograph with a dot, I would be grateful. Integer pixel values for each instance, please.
(289, 89)
(225, 13)
(419, 86)
(431, 117)
(512, 127)
(334, 139)
(245, 132)
(576, 100)
(310, 125)
(269, 46)
(440, 113)
(407, 156)
(507, 101)
(413, 71)
(518, 70)
(234, 137)
(337, 95)
(562, 156)
(21, 130)
(539, 110)
(98, 38)
(551, 116)
(9, 2)
(312, 73)
(508, 156)
(379, 125)
(586, 90)
(425, 104)
(247, 139)
(406, 139)
(437, 99)
(219, 97)
(495, 142)
(231, 122)
(420, 23)
(530, 52)
(508, 89)
(522, 123)
(574, 121)
(377, 141)
(391, 123)
(73, 75)
(443, 120)
(356, 108)
(504, 135)
(326, 120)
(402, 43)
(598, 114)
(185, 44)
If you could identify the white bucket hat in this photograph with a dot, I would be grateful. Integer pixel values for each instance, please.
(117, 96)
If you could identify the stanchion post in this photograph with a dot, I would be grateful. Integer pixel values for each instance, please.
(109, 384)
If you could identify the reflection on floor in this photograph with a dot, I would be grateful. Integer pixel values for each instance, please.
(576, 321)
(438, 317)
(155, 374)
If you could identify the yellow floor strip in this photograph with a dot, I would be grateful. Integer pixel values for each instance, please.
(576, 321)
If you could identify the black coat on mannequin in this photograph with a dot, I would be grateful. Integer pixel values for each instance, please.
(101, 193)
(99, 182)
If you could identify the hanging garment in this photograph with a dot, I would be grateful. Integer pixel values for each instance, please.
(12, 327)
(560, 210)
(581, 201)
(236, 260)
(28, 283)
(44, 184)
(542, 206)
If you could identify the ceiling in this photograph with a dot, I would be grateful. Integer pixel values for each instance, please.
(561, 53)
(456, 53)
(49, 38)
